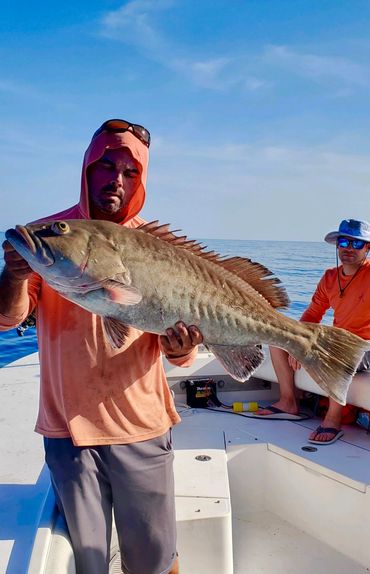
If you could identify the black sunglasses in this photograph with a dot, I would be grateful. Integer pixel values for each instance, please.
(344, 242)
(120, 126)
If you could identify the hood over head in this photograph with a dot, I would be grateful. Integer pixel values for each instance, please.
(96, 149)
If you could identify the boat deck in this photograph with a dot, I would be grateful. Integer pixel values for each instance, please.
(264, 543)
(279, 491)
(291, 508)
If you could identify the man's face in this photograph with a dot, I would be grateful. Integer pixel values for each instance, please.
(112, 182)
(350, 256)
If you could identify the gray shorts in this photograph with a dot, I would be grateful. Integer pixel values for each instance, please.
(137, 481)
(365, 362)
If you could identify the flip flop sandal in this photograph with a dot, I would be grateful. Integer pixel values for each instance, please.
(338, 433)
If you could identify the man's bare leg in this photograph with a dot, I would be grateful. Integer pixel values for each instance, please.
(333, 419)
(285, 377)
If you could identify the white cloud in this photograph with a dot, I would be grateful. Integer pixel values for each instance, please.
(252, 83)
(18, 89)
(133, 24)
(241, 191)
(317, 67)
(256, 192)
(261, 159)
(137, 23)
(206, 73)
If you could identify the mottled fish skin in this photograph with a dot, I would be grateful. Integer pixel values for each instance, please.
(150, 279)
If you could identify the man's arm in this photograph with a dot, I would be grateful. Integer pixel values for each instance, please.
(319, 304)
(14, 300)
(313, 314)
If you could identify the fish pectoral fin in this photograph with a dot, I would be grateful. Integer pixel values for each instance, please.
(239, 362)
(122, 294)
(115, 331)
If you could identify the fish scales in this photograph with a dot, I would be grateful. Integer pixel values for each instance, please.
(150, 279)
(191, 281)
(198, 280)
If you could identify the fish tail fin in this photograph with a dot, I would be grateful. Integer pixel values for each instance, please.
(333, 359)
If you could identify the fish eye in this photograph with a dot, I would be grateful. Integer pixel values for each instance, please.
(60, 227)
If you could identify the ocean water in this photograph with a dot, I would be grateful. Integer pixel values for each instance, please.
(299, 265)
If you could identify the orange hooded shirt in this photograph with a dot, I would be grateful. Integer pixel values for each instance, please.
(352, 311)
(89, 391)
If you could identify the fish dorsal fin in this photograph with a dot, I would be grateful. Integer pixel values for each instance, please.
(254, 274)
(260, 278)
(164, 232)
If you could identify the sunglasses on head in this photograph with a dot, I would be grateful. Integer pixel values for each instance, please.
(355, 243)
(120, 126)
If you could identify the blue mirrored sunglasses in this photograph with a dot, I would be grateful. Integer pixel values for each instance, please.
(355, 243)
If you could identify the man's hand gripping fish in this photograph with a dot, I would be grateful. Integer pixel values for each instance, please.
(150, 278)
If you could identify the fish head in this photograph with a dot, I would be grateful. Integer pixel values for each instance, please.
(74, 255)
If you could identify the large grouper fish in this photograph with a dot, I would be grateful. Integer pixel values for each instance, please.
(150, 278)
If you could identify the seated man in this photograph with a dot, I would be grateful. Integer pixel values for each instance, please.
(346, 289)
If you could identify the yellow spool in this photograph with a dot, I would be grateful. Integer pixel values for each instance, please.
(245, 407)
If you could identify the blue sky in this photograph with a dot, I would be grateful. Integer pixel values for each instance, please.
(259, 110)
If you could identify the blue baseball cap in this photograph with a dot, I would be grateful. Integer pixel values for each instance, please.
(350, 228)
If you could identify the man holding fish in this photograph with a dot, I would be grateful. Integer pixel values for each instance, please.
(106, 411)
(105, 404)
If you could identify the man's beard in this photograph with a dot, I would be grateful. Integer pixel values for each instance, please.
(111, 204)
(110, 208)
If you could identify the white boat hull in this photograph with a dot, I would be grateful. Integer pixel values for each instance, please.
(260, 504)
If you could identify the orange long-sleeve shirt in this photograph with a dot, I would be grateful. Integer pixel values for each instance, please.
(352, 310)
(89, 391)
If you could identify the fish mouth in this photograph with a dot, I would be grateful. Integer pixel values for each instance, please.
(27, 243)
